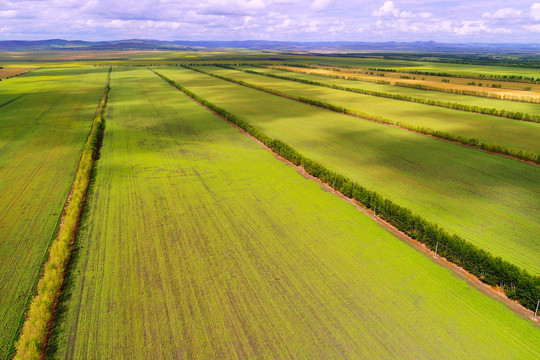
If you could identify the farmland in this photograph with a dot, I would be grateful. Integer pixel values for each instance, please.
(489, 129)
(46, 116)
(324, 75)
(9, 72)
(191, 223)
(447, 183)
(197, 242)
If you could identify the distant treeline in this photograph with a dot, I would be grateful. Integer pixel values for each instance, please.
(40, 313)
(484, 94)
(517, 283)
(445, 104)
(508, 78)
(494, 148)
(523, 61)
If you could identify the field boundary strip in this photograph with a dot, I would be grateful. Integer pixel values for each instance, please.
(359, 77)
(515, 282)
(504, 78)
(528, 157)
(20, 74)
(444, 104)
(40, 315)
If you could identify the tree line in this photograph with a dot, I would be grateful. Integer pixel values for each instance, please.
(34, 332)
(527, 99)
(473, 142)
(446, 104)
(518, 284)
(507, 78)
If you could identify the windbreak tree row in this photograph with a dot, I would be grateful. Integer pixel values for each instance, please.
(470, 93)
(445, 104)
(517, 283)
(508, 78)
(494, 148)
(33, 338)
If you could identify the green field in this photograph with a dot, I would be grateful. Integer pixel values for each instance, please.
(487, 199)
(508, 105)
(45, 118)
(199, 244)
(408, 65)
(488, 129)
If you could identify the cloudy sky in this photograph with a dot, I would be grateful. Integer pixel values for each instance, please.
(303, 20)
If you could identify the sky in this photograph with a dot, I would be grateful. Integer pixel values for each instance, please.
(469, 21)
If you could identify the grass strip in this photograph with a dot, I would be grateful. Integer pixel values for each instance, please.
(445, 104)
(518, 284)
(33, 338)
(491, 147)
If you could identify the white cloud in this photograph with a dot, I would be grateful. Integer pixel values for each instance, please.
(8, 13)
(321, 5)
(387, 9)
(535, 11)
(505, 13)
(533, 28)
(471, 27)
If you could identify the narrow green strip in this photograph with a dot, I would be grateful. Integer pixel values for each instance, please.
(34, 332)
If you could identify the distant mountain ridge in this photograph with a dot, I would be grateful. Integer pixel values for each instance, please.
(140, 44)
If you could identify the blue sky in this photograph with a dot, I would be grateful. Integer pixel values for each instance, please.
(286, 20)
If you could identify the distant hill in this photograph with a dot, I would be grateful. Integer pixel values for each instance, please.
(59, 44)
(138, 44)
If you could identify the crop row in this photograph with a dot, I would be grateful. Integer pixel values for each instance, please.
(35, 328)
(444, 104)
(517, 283)
(494, 148)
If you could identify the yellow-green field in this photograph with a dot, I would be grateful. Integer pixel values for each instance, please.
(322, 75)
(514, 134)
(487, 199)
(45, 117)
(199, 244)
(196, 242)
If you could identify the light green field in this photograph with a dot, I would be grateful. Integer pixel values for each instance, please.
(487, 199)
(199, 244)
(44, 121)
(508, 105)
(520, 135)
(407, 65)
